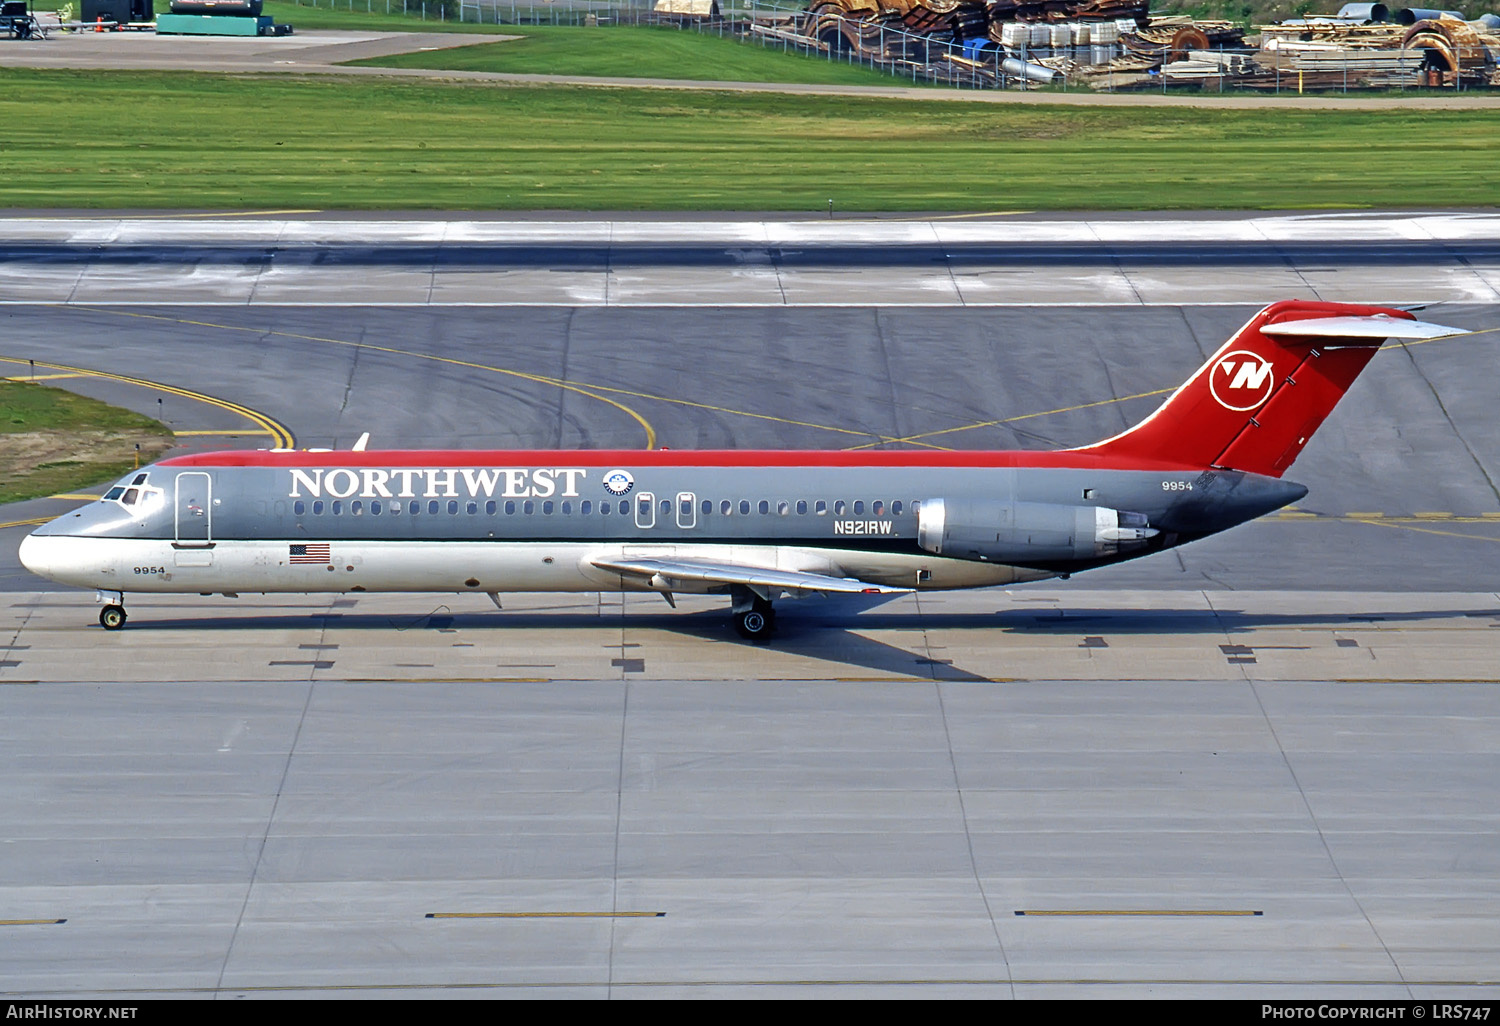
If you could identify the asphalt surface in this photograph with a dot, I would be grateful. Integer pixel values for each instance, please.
(1263, 770)
(1402, 477)
(1016, 260)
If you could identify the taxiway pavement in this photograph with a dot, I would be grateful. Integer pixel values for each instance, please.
(1263, 770)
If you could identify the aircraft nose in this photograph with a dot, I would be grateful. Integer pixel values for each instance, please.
(35, 554)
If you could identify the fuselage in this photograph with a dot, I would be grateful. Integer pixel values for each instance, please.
(311, 521)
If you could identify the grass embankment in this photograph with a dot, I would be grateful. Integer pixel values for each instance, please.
(237, 142)
(53, 441)
(628, 51)
(608, 51)
(303, 17)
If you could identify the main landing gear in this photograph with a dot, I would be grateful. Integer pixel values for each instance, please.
(112, 616)
(753, 616)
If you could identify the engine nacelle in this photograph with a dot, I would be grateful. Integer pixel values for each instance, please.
(1027, 533)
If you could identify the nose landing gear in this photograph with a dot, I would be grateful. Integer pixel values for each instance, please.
(112, 616)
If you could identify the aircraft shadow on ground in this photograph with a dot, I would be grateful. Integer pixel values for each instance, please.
(835, 632)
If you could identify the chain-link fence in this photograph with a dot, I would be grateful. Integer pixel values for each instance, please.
(1098, 56)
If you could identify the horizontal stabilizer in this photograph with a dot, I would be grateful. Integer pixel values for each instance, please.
(1255, 403)
(704, 571)
(1378, 326)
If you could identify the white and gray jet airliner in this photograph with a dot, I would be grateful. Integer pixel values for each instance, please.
(752, 525)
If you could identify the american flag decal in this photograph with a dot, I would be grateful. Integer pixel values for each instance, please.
(314, 553)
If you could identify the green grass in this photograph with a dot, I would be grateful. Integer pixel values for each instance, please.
(635, 52)
(303, 17)
(59, 441)
(238, 142)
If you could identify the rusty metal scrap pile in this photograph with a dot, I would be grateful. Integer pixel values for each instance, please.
(1431, 51)
(1115, 44)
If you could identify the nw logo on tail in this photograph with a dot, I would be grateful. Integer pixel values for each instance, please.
(1241, 380)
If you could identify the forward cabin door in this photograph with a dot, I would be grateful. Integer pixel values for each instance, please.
(193, 502)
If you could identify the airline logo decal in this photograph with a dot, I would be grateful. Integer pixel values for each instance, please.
(436, 483)
(1241, 380)
(618, 482)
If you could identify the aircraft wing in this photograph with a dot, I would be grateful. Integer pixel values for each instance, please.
(754, 577)
(1376, 326)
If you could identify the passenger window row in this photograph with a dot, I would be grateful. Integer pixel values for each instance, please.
(527, 507)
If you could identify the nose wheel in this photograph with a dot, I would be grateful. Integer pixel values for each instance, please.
(112, 618)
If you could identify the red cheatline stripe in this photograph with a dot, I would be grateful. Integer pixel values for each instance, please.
(635, 459)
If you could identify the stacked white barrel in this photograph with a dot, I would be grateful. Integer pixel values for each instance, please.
(1104, 36)
(1087, 42)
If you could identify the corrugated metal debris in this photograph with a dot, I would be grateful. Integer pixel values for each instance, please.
(1116, 44)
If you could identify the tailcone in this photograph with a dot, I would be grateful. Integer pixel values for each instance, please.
(1226, 499)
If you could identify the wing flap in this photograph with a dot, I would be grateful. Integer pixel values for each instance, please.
(706, 571)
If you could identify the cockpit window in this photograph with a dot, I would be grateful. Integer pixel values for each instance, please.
(140, 479)
(115, 492)
(131, 495)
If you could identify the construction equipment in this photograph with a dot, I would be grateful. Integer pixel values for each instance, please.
(17, 21)
(123, 13)
(218, 18)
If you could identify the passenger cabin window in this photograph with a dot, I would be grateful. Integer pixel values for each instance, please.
(820, 508)
(725, 507)
(877, 508)
(744, 507)
(765, 507)
(299, 507)
(839, 507)
(859, 507)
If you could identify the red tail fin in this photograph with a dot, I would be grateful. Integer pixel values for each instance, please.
(1257, 401)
